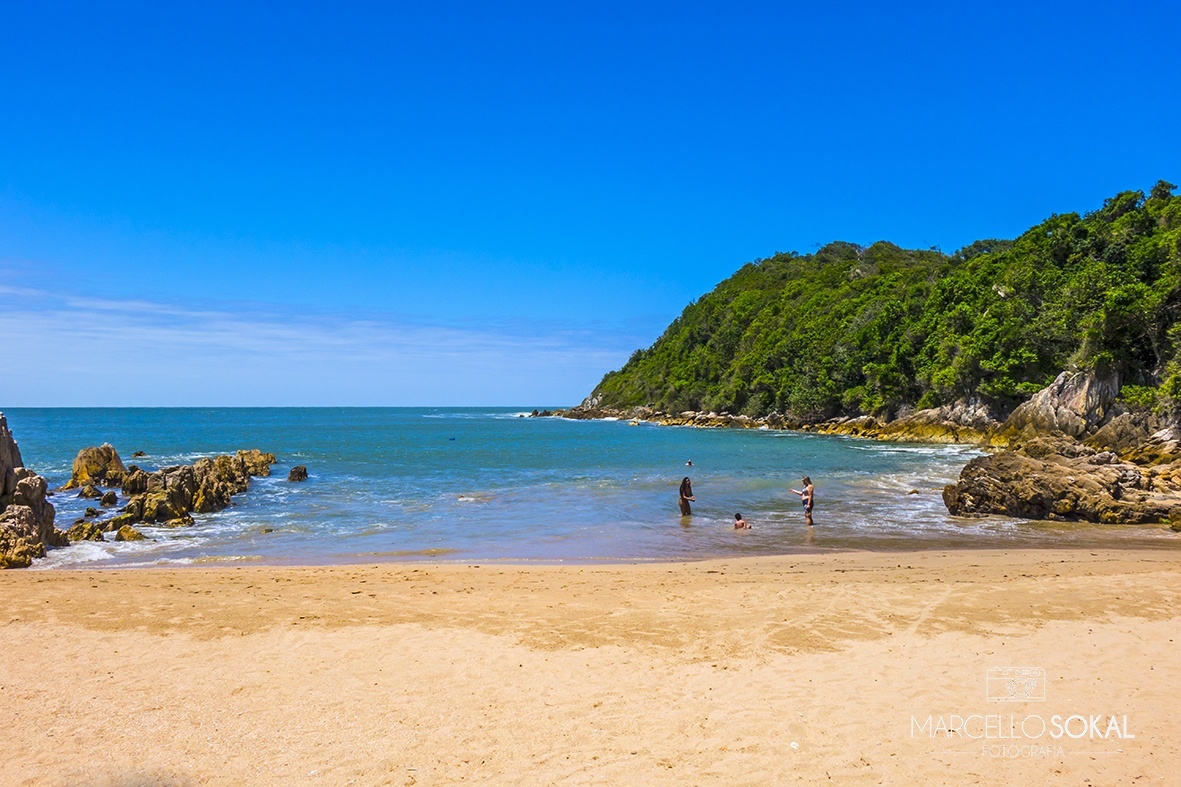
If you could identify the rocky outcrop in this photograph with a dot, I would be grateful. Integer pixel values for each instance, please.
(1060, 478)
(95, 467)
(171, 495)
(26, 515)
(1074, 454)
(298, 473)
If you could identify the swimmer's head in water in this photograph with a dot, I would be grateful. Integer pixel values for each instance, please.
(738, 516)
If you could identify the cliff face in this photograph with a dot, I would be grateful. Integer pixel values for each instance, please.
(26, 515)
(10, 459)
(1076, 404)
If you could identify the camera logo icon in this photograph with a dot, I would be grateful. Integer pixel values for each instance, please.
(1015, 684)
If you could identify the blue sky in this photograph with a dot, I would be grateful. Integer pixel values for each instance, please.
(459, 203)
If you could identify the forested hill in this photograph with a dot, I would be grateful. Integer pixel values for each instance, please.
(852, 330)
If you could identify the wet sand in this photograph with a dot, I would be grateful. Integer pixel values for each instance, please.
(752, 671)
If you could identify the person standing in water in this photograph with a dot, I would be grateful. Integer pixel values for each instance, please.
(686, 496)
(807, 497)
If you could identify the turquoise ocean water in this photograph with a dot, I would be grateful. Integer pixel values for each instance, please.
(484, 484)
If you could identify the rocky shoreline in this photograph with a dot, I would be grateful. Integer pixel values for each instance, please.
(1072, 452)
(167, 497)
(966, 422)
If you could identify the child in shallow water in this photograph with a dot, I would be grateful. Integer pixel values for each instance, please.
(740, 523)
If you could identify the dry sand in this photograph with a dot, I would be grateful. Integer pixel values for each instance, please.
(755, 671)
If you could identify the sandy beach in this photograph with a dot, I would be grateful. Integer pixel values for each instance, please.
(843, 667)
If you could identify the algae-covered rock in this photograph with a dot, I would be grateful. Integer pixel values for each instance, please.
(129, 533)
(86, 531)
(118, 521)
(89, 491)
(298, 473)
(256, 462)
(97, 466)
(110, 499)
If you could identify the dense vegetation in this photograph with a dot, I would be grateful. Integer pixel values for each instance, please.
(853, 330)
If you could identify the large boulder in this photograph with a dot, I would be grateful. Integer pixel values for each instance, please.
(97, 466)
(1075, 404)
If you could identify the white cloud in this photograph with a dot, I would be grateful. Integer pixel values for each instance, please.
(65, 349)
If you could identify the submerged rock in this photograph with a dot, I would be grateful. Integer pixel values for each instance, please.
(298, 473)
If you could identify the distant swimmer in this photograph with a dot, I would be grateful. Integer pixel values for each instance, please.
(740, 523)
(686, 496)
(689, 463)
(807, 497)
